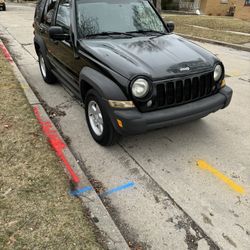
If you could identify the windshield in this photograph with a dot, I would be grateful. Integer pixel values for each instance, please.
(95, 17)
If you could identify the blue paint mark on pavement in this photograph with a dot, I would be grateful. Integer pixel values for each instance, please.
(119, 188)
(80, 191)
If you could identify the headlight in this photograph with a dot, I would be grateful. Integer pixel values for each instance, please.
(140, 88)
(217, 72)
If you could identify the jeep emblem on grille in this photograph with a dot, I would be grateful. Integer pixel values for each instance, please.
(184, 69)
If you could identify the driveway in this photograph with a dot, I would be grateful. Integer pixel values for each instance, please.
(174, 204)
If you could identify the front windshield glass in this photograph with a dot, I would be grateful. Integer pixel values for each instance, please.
(95, 17)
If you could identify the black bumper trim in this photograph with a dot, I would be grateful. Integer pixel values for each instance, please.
(135, 122)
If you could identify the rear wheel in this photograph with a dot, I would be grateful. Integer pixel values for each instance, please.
(4, 8)
(47, 75)
(98, 120)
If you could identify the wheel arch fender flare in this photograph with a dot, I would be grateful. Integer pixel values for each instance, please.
(40, 46)
(90, 78)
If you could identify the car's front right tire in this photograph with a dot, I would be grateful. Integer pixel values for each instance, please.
(47, 75)
(98, 121)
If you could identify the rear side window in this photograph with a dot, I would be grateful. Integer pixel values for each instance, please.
(63, 15)
(49, 11)
(39, 10)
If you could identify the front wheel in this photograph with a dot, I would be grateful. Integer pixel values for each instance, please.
(98, 120)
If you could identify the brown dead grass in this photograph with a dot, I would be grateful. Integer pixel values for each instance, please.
(218, 24)
(36, 211)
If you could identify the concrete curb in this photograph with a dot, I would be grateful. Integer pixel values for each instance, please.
(205, 40)
(90, 200)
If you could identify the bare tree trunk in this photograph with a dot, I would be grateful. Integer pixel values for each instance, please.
(158, 5)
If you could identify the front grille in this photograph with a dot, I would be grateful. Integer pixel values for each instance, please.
(180, 91)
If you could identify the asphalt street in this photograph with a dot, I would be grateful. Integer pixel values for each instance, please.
(174, 203)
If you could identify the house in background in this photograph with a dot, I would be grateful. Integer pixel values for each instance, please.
(241, 8)
(216, 7)
(208, 7)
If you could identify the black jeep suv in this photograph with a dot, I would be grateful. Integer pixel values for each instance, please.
(132, 73)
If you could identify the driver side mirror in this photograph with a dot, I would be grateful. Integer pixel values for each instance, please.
(57, 33)
(170, 26)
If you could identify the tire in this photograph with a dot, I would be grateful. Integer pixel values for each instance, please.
(4, 8)
(106, 136)
(47, 75)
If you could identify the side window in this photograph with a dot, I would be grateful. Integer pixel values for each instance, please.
(63, 15)
(49, 11)
(39, 10)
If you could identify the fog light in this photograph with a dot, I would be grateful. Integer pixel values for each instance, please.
(149, 103)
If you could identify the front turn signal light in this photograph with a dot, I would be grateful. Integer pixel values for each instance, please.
(121, 104)
(223, 83)
(119, 122)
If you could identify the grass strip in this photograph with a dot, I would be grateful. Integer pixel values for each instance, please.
(36, 211)
(219, 25)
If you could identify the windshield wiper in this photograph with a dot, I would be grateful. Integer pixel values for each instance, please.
(147, 31)
(111, 33)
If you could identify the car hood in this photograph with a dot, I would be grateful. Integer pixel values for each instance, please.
(155, 57)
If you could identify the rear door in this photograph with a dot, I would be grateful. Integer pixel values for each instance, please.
(62, 54)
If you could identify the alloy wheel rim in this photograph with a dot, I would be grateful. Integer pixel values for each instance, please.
(95, 118)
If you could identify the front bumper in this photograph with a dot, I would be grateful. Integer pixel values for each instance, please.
(135, 122)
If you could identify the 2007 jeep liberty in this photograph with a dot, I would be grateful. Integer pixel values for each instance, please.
(132, 73)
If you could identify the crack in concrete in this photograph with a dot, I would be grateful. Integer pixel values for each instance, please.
(26, 44)
(185, 223)
(127, 232)
(229, 240)
(207, 220)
